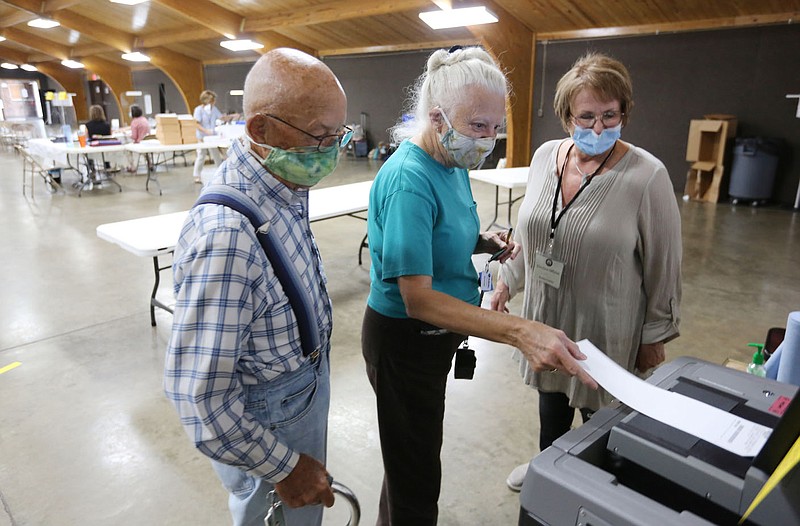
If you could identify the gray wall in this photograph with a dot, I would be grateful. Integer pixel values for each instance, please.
(679, 77)
(147, 81)
(377, 86)
(221, 79)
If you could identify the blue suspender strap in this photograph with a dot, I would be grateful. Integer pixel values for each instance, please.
(281, 264)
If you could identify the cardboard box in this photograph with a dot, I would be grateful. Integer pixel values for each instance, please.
(706, 150)
(168, 137)
(733, 363)
(167, 120)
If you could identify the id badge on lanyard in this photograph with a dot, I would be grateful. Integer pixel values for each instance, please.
(547, 269)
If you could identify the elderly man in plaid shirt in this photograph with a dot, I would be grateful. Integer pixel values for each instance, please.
(246, 394)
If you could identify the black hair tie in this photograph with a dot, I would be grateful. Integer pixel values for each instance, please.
(455, 48)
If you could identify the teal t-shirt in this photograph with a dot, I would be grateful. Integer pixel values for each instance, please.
(423, 220)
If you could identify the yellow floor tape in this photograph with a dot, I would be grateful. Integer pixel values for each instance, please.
(9, 367)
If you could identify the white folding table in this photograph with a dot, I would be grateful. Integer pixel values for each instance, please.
(156, 236)
(509, 178)
(152, 147)
(58, 155)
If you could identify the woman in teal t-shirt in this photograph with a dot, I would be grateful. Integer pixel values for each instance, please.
(423, 229)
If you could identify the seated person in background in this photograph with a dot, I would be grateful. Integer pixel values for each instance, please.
(97, 125)
(140, 128)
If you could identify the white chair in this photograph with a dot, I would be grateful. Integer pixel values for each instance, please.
(31, 168)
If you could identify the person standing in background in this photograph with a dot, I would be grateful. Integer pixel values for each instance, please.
(206, 115)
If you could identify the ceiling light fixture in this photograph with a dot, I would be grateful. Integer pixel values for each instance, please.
(136, 56)
(128, 2)
(74, 64)
(236, 92)
(240, 45)
(2, 38)
(134, 93)
(29, 67)
(44, 23)
(468, 16)
(8, 65)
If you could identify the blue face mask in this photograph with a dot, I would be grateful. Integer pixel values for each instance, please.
(591, 143)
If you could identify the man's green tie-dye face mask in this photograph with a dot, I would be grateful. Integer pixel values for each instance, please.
(305, 165)
(302, 165)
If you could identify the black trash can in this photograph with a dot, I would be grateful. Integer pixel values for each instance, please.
(755, 163)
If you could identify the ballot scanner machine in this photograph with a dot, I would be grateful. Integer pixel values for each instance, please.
(622, 468)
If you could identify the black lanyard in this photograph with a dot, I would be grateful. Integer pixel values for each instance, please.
(555, 220)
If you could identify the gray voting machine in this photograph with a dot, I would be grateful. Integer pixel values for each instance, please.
(622, 468)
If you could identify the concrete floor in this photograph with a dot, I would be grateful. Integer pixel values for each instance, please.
(87, 437)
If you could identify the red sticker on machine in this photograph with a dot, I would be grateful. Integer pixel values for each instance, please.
(780, 405)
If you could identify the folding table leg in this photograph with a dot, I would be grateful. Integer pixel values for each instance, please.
(153, 301)
(364, 244)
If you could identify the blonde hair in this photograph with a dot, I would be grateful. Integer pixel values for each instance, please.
(96, 113)
(206, 96)
(597, 72)
(442, 85)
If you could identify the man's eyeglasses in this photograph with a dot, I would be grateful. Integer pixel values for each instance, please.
(325, 142)
(608, 118)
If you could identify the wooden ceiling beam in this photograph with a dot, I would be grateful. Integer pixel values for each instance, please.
(513, 46)
(15, 18)
(272, 40)
(160, 39)
(91, 49)
(672, 27)
(40, 44)
(96, 31)
(185, 72)
(13, 55)
(34, 7)
(51, 6)
(331, 12)
(208, 14)
(416, 46)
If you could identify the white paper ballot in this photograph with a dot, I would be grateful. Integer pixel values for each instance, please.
(704, 421)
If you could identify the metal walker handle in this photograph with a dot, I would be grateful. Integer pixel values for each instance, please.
(350, 497)
(275, 506)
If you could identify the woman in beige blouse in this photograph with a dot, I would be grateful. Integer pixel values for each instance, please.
(600, 236)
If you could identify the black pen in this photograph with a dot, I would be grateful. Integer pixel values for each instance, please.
(500, 252)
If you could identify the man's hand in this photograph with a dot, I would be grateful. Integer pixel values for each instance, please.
(650, 355)
(306, 485)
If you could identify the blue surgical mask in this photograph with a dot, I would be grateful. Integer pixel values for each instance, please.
(302, 165)
(466, 152)
(591, 143)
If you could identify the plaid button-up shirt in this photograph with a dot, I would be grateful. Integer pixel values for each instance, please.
(233, 324)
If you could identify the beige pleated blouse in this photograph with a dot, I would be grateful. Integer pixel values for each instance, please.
(620, 241)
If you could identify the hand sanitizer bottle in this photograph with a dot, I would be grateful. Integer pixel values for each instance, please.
(756, 367)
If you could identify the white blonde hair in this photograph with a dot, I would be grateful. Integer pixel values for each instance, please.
(442, 85)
